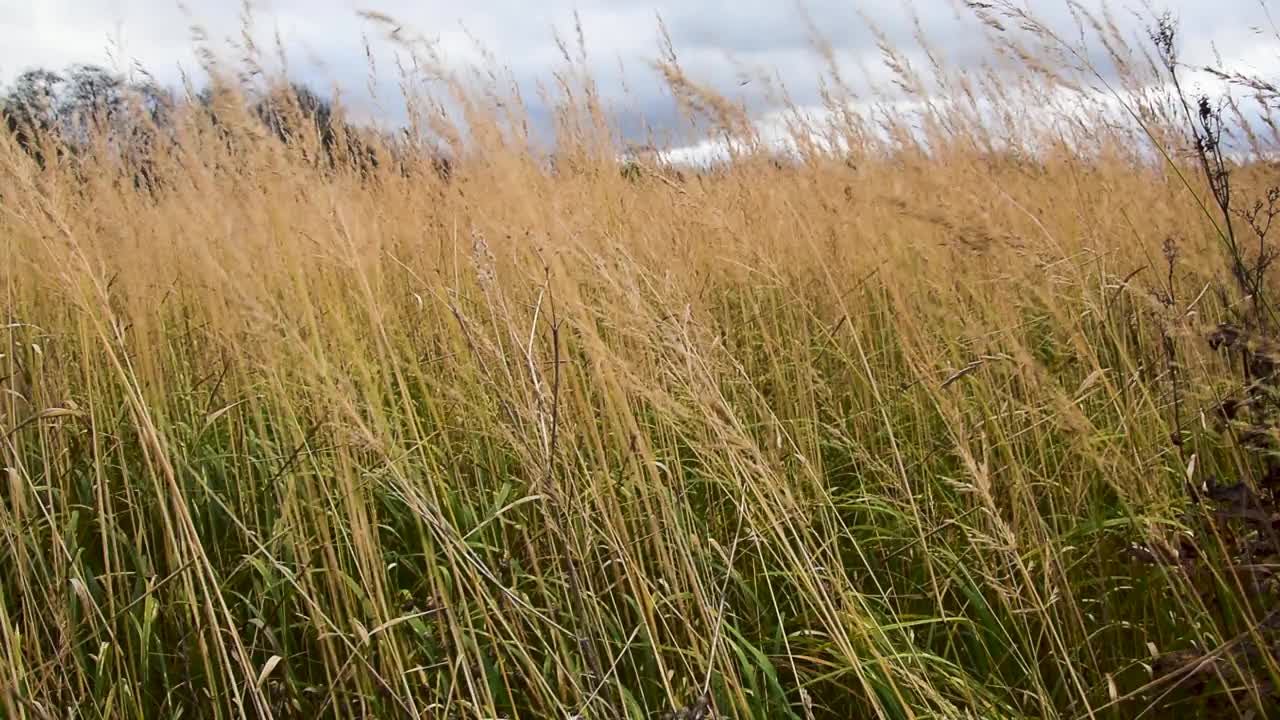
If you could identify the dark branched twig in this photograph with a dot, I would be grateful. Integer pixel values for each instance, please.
(1205, 123)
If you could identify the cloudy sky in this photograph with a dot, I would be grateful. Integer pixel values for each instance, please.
(714, 38)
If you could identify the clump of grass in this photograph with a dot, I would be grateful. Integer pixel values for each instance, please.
(901, 426)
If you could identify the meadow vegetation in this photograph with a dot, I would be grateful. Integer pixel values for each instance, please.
(959, 408)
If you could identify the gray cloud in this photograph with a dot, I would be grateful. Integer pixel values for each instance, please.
(714, 39)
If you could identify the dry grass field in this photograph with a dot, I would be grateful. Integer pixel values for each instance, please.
(934, 417)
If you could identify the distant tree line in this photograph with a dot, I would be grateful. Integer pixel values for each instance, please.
(62, 112)
(43, 105)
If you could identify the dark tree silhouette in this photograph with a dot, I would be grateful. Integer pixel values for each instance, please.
(91, 91)
(59, 113)
(46, 110)
(31, 108)
(294, 110)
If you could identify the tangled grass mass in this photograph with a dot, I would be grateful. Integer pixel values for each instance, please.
(959, 402)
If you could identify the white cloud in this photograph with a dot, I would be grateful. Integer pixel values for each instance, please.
(325, 44)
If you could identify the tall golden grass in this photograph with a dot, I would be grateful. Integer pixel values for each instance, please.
(864, 433)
